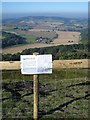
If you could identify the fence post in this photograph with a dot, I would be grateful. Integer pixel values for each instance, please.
(35, 91)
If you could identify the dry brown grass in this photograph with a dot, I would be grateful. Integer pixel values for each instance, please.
(16, 49)
(67, 38)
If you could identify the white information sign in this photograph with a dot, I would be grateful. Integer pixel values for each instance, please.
(36, 64)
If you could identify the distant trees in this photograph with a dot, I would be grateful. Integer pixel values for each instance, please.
(58, 52)
(84, 36)
(9, 39)
(75, 51)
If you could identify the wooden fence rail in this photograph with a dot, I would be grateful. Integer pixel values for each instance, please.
(76, 63)
(15, 65)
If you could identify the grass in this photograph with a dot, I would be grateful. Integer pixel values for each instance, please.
(65, 37)
(58, 93)
(8, 28)
(30, 38)
(0, 36)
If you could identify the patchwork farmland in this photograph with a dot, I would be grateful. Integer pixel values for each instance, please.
(64, 38)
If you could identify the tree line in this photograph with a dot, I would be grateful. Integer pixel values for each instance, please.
(9, 39)
(62, 52)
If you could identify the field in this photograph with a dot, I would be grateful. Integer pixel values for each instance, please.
(62, 94)
(63, 38)
(20, 48)
(0, 36)
(33, 30)
(67, 38)
(38, 33)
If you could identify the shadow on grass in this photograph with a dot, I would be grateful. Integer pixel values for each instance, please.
(17, 87)
(41, 114)
(84, 83)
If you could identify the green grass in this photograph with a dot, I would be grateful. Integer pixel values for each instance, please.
(55, 90)
(30, 38)
(0, 36)
(8, 28)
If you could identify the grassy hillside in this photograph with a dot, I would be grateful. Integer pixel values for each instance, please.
(63, 94)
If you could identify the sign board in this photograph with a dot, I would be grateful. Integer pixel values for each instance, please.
(36, 64)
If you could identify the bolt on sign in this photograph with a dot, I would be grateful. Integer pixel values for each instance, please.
(36, 64)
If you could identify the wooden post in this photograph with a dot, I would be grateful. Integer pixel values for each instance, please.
(36, 97)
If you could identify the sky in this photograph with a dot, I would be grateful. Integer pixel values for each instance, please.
(45, 0)
(44, 7)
